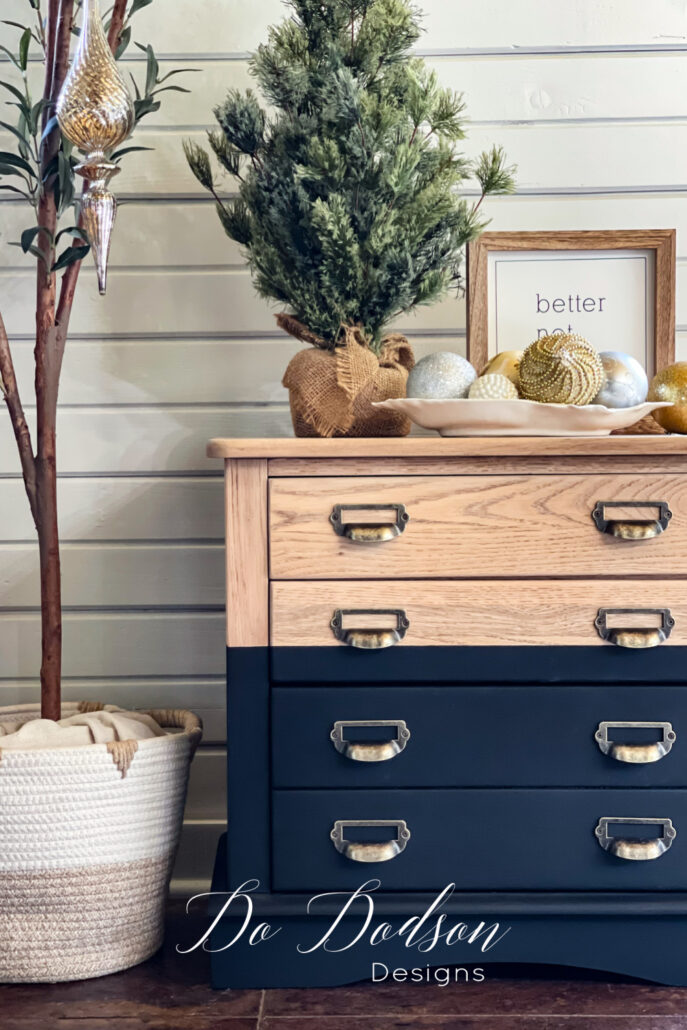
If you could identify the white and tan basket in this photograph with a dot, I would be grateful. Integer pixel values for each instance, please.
(88, 837)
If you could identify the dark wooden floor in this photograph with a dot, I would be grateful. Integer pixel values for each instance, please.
(171, 992)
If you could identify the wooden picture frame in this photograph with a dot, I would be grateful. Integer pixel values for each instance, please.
(660, 311)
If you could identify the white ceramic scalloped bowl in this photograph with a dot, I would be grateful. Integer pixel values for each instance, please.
(517, 418)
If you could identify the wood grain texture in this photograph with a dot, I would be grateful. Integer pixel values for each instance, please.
(536, 993)
(447, 447)
(480, 1022)
(661, 241)
(667, 464)
(483, 526)
(472, 613)
(246, 558)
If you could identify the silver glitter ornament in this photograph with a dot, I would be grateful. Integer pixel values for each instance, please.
(440, 376)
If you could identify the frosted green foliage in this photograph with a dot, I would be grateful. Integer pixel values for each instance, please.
(347, 191)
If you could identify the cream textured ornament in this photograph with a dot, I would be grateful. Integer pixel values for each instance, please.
(493, 387)
(561, 369)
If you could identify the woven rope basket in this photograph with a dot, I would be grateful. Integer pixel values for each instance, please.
(88, 837)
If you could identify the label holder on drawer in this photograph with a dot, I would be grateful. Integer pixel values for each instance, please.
(632, 529)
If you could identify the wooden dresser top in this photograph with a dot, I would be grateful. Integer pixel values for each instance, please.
(448, 447)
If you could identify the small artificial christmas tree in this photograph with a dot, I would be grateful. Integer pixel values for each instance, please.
(347, 198)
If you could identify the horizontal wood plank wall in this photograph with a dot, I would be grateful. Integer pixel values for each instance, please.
(587, 98)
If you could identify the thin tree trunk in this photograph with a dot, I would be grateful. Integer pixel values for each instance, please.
(116, 24)
(48, 359)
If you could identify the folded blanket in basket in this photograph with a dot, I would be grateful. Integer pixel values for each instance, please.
(100, 727)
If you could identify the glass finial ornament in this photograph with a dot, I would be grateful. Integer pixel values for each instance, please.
(96, 113)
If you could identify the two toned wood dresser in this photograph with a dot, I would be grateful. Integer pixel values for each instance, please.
(456, 662)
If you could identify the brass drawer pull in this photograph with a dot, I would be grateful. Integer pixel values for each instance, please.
(632, 849)
(638, 754)
(632, 529)
(376, 532)
(369, 851)
(636, 637)
(370, 639)
(370, 750)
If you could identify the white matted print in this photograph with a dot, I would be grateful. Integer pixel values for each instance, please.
(614, 287)
(607, 296)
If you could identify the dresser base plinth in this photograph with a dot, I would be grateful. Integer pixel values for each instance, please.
(639, 935)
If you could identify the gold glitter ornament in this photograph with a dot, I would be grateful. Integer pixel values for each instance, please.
(493, 387)
(96, 113)
(561, 369)
(671, 385)
(506, 363)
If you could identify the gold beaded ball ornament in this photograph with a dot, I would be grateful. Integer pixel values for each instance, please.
(493, 387)
(671, 385)
(561, 369)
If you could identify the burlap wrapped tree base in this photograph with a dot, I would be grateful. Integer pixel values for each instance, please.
(331, 392)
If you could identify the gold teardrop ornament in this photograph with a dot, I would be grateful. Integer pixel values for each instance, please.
(561, 369)
(505, 363)
(96, 113)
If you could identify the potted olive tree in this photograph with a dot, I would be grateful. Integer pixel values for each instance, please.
(91, 798)
(347, 199)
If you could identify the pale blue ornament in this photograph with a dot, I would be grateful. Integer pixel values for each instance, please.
(439, 376)
(626, 381)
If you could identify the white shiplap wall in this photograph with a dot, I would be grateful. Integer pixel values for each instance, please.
(588, 98)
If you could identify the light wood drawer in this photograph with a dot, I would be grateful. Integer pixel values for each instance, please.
(475, 613)
(476, 526)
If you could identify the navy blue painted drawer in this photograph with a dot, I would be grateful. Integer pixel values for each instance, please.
(479, 839)
(534, 736)
(451, 664)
